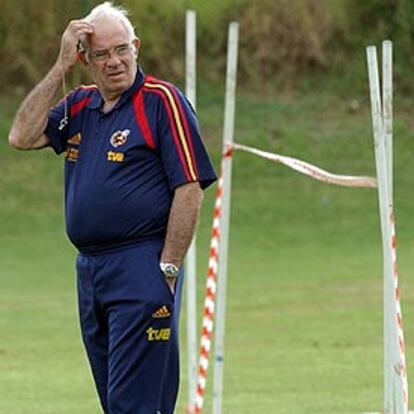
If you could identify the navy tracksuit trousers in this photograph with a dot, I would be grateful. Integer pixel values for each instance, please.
(129, 323)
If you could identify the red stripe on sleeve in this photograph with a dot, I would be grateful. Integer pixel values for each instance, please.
(142, 119)
(174, 132)
(78, 106)
(185, 123)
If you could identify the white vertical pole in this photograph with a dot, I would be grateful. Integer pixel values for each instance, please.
(382, 176)
(396, 334)
(389, 332)
(229, 115)
(190, 81)
(387, 111)
(395, 375)
(191, 54)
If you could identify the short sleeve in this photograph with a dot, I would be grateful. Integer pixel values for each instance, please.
(57, 129)
(183, 153)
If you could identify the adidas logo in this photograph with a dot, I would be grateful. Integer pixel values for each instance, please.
(162, 312)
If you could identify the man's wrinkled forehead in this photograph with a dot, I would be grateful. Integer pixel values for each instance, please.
(107, 33)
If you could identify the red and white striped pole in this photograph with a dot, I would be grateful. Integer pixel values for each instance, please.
(400, 367)
(209, 301)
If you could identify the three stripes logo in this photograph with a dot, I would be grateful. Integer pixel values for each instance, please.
(162, 312)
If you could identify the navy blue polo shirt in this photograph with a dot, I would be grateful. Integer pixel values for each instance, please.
(122, 167)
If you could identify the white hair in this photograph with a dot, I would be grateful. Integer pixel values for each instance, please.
(107, 11)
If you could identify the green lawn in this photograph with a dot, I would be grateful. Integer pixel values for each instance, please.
(304, 322)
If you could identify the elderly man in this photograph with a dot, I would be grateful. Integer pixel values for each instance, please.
(134, 172)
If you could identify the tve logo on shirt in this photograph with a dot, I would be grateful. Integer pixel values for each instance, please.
(115, 156)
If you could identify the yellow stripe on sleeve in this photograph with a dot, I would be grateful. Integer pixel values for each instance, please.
(178, 124)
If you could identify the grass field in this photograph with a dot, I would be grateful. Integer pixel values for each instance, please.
(304, 323)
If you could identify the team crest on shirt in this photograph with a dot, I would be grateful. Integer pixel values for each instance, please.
(119, 138)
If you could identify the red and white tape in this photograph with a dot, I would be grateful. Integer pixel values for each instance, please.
(211, 284)
(311, 170)
(401, 367)
(209, 301)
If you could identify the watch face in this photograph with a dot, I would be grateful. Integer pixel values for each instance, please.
(169, 269)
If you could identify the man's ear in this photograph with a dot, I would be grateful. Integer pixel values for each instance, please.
(137, 44)
(81, 52)
(83, 59)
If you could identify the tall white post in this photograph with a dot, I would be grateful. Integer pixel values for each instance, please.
(396, 335)
(191, 56)
(387, 112)
(190, 265)
(382, 177)
(388, 289)
(229, 115)
(395, 375)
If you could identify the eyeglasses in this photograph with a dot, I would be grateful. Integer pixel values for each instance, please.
(103, 55)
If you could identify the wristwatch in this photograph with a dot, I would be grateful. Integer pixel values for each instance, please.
(170, 270)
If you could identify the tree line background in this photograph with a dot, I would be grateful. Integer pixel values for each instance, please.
(286, 42)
